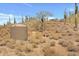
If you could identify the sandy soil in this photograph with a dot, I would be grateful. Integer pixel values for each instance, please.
(56, 40)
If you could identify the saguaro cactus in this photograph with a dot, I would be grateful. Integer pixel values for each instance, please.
(14, 20)
(76, 11)
(26, 18)
(65, 17)
(22, 20)
(70, 14)
(4, 24)
(9, 21)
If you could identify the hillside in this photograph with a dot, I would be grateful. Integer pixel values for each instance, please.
(56, 40)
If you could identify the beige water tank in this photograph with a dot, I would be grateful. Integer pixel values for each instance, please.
(19, 32)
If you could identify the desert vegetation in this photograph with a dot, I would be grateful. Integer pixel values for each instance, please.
(45, 37)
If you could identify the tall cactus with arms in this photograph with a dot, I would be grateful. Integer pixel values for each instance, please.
(65, 16)
(76, 11)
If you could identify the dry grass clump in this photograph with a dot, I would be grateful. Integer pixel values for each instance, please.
(73, 48)
(56, 36)
(51, 37)
(34, 45)
(36, 37)
(22, 48)
(5, 33)
(29, 48)
(10, 45)
(2, 43)
(57, 31)
(5, 51)
(70, 34)
(77, 40)
(65, 43)
(20, 53)
(52, 43)
(37, 41)
(37, 51)
(49, 51)
(72, 54)
(68, 31)
(63, 34)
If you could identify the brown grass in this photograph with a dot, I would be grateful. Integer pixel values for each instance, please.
(57, 39)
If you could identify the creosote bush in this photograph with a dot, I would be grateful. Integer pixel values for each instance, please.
(72, 54)
(63, 43)
(77, 40)
(73, 48)
(52, 43)
(49, 51)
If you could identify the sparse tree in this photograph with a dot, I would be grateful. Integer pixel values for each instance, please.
(65, 16)
(42, 15)
(76, 11)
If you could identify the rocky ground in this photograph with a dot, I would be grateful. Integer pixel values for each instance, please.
(56, 40)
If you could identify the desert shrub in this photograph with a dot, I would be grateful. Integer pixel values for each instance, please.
(68, 31)
(70, 34)
(63, 34)
(37, 41)
(34, 46)
(72, 54)
(51, 37)
(2, 43)
(20, 53)
(78, 44)
(1, 39)
(49, 51)
(43, 41)
(63, 43)
(37, 37)
(52, 43)
(60, 37)
(28, 50)
(43, 35)
(55, 38)
(57, 31)
(77, 40)
(73, 48)
(10, 43)
(12, 46)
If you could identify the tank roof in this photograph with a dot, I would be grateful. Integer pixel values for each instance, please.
(18, 25)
